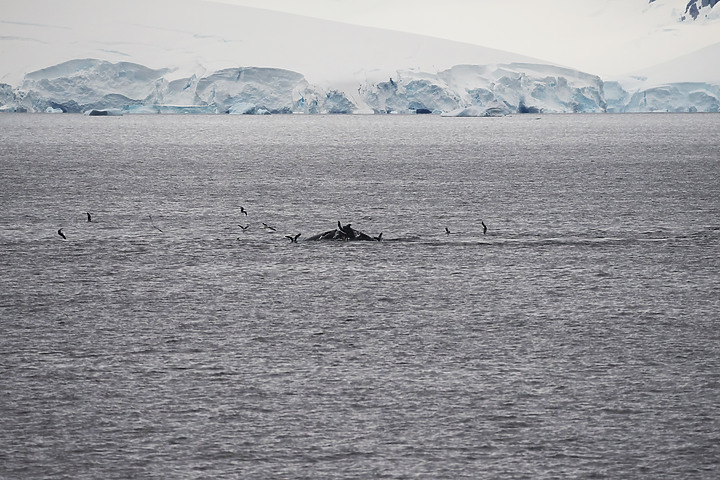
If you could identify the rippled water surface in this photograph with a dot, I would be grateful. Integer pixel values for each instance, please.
(578, 338)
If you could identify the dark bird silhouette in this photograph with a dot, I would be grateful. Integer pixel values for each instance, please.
(60, 232)
(447, 231)
(89, 216)
(268, 227)
(244, 228)
(242, 210)
(293, 239)
(484, 227)
(153, 224)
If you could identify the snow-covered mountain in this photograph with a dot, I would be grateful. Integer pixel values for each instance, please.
(692, 67)
(609, 38)
(196, 37)
(206, 57)
(698, 8)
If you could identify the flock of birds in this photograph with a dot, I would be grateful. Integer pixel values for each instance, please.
(482, 222)
(343, 232)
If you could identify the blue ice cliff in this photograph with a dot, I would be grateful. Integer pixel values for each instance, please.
(81, 86)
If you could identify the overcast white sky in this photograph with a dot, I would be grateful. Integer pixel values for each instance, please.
(606, 37)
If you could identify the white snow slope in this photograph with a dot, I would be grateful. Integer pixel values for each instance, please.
(198, 37)
(203, 56)
(609, 38)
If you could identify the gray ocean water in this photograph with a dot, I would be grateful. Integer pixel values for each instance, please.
(578, 338)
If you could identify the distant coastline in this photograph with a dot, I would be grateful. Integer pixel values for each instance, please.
(99, 87)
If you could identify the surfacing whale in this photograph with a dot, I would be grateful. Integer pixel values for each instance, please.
(345, 233)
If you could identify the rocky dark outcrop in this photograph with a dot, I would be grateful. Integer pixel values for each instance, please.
(694, 7)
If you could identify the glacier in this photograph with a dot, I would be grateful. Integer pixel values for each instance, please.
(489, 90)
(82, 85)
(105, 88)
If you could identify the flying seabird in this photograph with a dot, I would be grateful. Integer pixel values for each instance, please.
(484, 227)
(242, 210)
(60, 232)
(268, 227)
(244, 228)
(153, 224)
(293, 239)
(447, 231)
(89, 217)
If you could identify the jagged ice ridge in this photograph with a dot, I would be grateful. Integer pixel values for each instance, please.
(88, 85)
